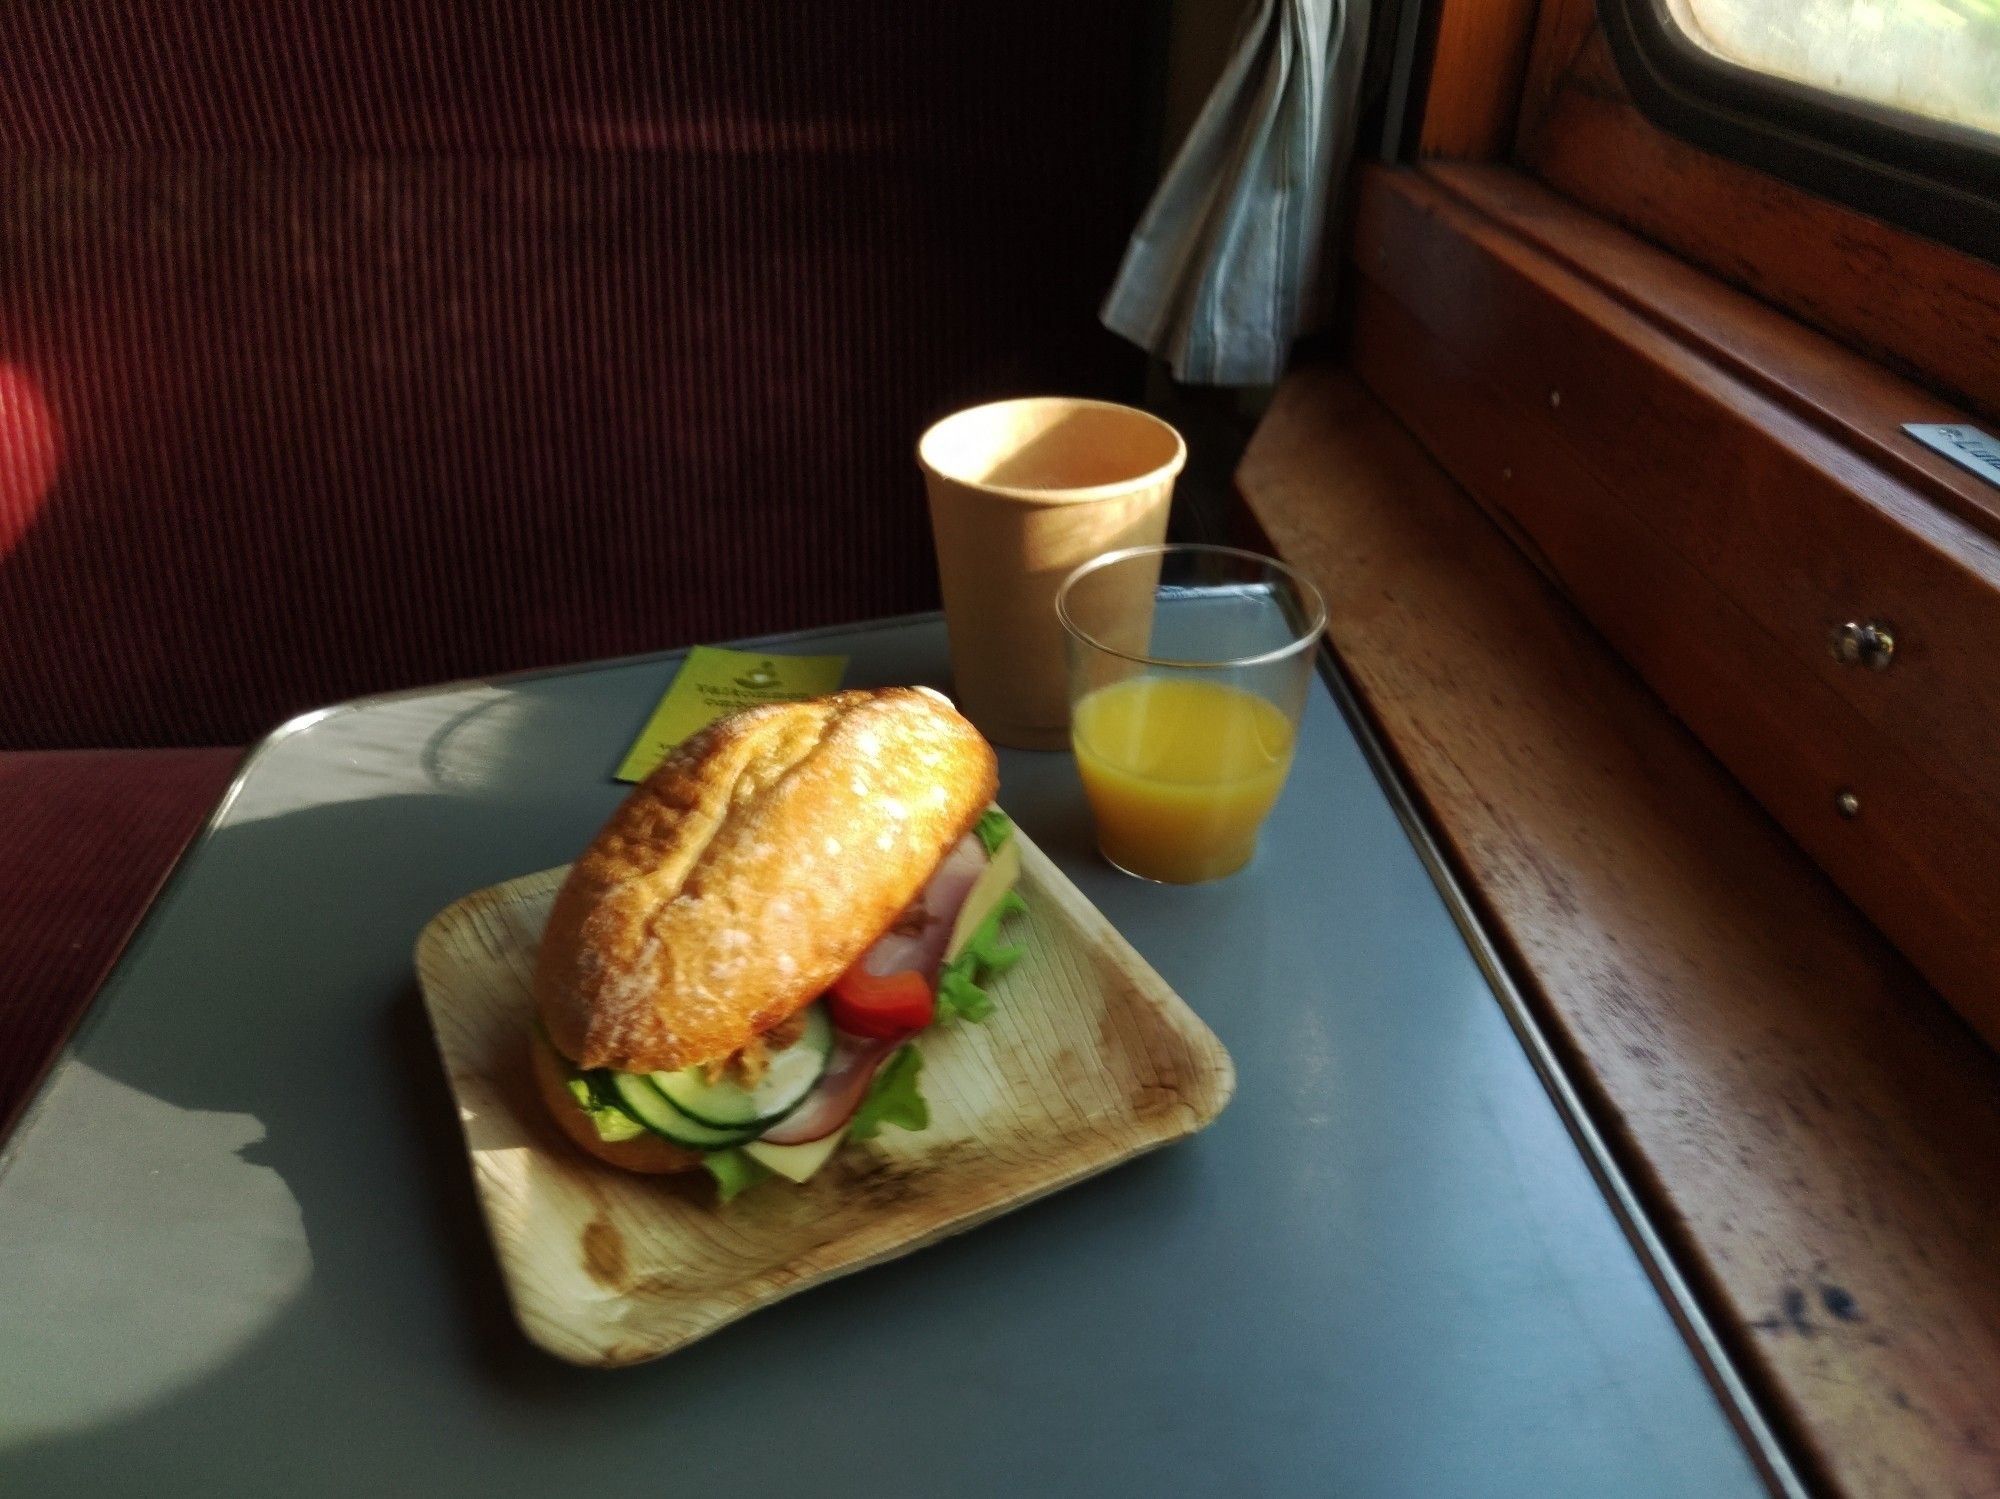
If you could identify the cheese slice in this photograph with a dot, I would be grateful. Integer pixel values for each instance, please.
(796, 1163)
(999, 876)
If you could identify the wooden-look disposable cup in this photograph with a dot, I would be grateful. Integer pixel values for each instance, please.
(1021, 493)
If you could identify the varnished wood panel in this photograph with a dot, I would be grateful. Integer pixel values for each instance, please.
(1789, 530)
(1562, 29)
(1912, 859)
(1926, 310)
(1862, 403)
(1474, 93)
(1816, 1130)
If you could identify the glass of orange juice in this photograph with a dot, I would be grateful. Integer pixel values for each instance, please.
(1189, 667)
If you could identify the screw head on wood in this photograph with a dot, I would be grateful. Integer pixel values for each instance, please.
(1868, 643)
(1848, 805)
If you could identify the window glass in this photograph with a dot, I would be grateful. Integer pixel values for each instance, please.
(1936, 58)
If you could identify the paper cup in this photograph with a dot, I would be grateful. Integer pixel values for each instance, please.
(1021, 493)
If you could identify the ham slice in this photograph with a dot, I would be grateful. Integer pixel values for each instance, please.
(839, 1091)
(916, 943)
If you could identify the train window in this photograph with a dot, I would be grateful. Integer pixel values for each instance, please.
(1889, 106)
(1936, 59)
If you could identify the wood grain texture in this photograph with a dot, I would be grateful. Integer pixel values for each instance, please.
(1718, 537)
(1088, 1060)
(1852, 398)
(1928, 311)
(1815, 1130)
(1474, 92)
(1562, 29)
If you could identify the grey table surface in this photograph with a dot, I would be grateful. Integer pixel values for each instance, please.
(239, 1252)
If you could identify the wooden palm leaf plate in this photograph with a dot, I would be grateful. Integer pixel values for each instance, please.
(1088, 1060)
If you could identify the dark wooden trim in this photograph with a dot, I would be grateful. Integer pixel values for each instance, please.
(1854, 399)
(1562, 29)
(1716, 537)
(1933, 177)
(1477, 61)
(1924, 310)
(1815, 1131)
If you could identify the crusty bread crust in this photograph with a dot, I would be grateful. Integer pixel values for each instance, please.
(648, 1153)
(751, 870)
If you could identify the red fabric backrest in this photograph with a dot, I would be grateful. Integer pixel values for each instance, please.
(348, 347)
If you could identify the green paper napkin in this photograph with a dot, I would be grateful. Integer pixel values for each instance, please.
(712, 682)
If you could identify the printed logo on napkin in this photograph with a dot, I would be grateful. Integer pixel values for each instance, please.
(712, 682)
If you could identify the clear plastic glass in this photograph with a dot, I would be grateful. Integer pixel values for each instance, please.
(1188, 671)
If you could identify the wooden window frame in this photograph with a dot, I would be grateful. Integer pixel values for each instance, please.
(1935, 178)
(1716, 528)
(1577, 130)
(1728, 484)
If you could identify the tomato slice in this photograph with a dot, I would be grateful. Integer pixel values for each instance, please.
(881, 1004)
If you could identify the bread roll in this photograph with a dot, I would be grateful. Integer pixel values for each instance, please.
(751, 870)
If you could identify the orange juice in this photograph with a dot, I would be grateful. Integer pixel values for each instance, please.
(1180, 773)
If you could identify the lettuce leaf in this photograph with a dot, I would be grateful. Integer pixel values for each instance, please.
(592, 1092)
(959, 992)
(893, 1098)
(959, 998)
(994, 828)
(734, 1172)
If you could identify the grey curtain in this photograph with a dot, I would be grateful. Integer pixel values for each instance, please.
(1223, 270)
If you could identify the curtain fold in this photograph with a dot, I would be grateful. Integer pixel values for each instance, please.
(1223, 270)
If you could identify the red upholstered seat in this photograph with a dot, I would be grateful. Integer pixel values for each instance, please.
(382, 343)
(86, 837)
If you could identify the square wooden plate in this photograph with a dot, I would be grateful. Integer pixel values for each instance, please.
(1088, 1060)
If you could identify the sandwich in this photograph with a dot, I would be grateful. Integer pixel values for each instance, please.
(734, 972)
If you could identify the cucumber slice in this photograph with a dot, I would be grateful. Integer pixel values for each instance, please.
(649, 1106)
(788, 1077)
